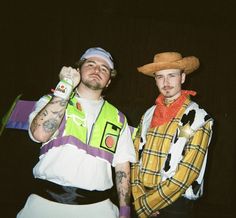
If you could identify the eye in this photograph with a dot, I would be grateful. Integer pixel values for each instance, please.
(104, 70)
(159, 77)
(91, 64)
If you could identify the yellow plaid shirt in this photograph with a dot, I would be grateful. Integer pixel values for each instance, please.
(149, 191)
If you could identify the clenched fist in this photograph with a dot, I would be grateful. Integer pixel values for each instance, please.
(71, 75)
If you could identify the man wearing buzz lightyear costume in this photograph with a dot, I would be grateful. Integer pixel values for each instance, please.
(83, 137)
(171, 143)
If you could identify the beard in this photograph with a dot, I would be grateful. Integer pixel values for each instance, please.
(167, 94)
(167, 91)
(93, 84)
(170, 92)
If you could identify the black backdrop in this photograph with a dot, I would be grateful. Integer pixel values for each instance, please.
(37, 39)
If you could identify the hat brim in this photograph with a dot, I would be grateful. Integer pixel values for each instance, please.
(187, 64)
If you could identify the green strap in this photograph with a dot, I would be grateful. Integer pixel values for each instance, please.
(8, 114)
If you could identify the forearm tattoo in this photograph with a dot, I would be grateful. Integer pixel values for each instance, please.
(50, 116)
(123, 186)
(61, 102)
(120, 175)
(50, 125)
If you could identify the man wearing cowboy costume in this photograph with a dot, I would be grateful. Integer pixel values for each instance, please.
(171, 143)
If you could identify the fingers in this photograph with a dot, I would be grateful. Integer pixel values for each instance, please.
(70, 73)
(155, 214)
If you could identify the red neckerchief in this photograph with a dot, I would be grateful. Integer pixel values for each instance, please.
(164, 113)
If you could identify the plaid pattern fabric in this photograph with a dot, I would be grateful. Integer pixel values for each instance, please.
(149, 191)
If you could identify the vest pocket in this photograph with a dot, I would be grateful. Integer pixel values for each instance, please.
(110, 137)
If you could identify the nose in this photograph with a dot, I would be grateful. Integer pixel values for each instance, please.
(166, 81)
(97, 68)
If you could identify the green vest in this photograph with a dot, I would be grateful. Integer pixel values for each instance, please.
(105, 131)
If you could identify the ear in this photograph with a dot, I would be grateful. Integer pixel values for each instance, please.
(183, 75)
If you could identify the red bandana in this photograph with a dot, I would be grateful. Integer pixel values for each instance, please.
(164, 113)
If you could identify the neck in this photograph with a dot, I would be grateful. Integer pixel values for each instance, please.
(85, 92)
(168, 101)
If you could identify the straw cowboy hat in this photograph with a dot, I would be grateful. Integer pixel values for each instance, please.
(170, 60)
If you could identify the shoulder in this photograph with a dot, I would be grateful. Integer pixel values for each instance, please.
(196, 108)
(109, 104)
(122, 116)
(148, 113)
(150, 110)
(196, 115)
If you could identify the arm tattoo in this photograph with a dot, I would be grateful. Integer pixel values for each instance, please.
(49, 118)
(127, 198)
(44, 113)
(120, 175)
(59, 114)
(50, 125)
(61, 102)
(123, 186)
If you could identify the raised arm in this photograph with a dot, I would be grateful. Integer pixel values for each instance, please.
(47, 121)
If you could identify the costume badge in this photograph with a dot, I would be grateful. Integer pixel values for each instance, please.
(186, 131)
(110, 141)
(78, 106)
(110, 137)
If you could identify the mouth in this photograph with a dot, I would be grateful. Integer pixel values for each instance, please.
(96, 76)
(167, 88)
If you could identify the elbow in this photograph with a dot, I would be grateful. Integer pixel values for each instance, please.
(39, 136)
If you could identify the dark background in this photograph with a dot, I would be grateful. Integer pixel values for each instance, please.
(37, 38)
